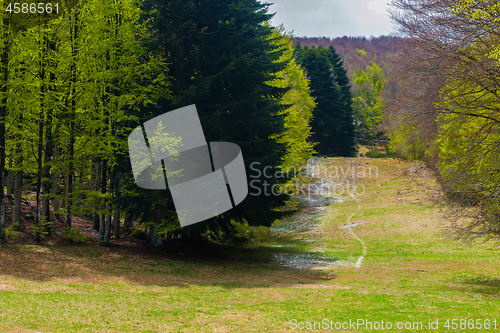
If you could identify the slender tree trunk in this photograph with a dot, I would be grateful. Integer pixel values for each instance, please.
(10, 178)
(41, 120)
(46, 190)
(71, 171)
(3, 114)
(47, 182)
(54, 190)
(154, 238)
(128, 224)
(39, 180)
(107, 228)
(65, 192)
(103, 201)
(55, 185)
(116, 223)
(116, 218)
(18, 184)
(96, 187)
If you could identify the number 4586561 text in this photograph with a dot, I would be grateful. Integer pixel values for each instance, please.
(32, 8)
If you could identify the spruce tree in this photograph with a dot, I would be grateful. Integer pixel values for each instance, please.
(347, 139)
(333, 123)
(220, 57)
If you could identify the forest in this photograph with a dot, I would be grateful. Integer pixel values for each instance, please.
(445, 110)
(76, 83)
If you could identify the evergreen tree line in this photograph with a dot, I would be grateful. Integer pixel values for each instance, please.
(333, 124)
(370, 68)
(74, 87)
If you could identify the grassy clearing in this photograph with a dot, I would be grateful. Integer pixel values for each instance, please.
(412, 272)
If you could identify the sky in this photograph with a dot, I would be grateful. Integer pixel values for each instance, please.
(333, 18)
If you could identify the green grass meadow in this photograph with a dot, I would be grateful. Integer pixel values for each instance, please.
(414, 271)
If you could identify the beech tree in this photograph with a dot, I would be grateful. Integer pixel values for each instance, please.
(73, 81)
(368, 106)
(455, 63)
(298, 105)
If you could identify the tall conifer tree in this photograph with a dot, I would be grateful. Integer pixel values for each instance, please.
(221, 55)
(333, 123)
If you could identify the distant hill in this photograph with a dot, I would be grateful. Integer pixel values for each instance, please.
(379, 49)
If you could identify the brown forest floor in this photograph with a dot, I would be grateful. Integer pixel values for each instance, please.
(58, 225)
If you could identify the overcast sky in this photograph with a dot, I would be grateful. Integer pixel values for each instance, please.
(333, 18)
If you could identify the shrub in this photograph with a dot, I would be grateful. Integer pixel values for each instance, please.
(251, 233)
(74, 236)
(374, 152)
(138, 233)
(11, 233)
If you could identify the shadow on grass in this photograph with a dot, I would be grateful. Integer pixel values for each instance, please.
(183, 264)
(487, 287)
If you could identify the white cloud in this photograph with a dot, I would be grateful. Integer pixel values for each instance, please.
(333, 18)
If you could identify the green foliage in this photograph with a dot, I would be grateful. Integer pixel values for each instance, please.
(367, 103)
(138, 233)
(362, 53)
(406, 142)
(74, 236)
(333, 123)
(11, 233)
(40, 229)
(75, 86)
(486, 15)
(297, 104)
(468, 143)
(374, 152)
(254, 234)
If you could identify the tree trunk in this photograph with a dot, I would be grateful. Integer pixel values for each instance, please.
(3, 113)
(45, 198)
(102, 219)
(154, 238)
(41, 119)
(55, 185)
(112, 189)
(71, 172)
(10, 178)
(116, 223)
(107, 228)
(65, 192)
(47, 183)
(128, 224)
(38, 214)
(116, 218)
(18, 184)
(96, 186)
